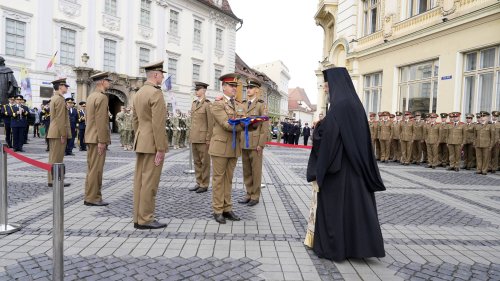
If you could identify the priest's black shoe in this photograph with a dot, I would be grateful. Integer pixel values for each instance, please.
(230, 216)
(244, 201)
(202, 189)
(219, 218)
(66, 184)
(98, 204)
(253, 202)
(152, 225)
(194, 188)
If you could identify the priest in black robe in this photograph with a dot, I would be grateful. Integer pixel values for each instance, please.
(345, 169)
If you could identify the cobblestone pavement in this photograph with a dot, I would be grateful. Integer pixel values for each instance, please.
(437, 225)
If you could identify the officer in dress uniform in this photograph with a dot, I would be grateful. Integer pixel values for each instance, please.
(484, 141)
(150, 145)
(97, 138)
(59, 130)
(253, 154)
(396, 132)
(418, 138)
(406, 139)
(73, 120)
(18, 123)
(373, 130)
(443, 135)
(384, 135)
(200, 135)
(81, 125)
(224, 155)
(455, 141)
(469, 150)
(431, 137)
(495, 151)
(8, 114)
(306, 133)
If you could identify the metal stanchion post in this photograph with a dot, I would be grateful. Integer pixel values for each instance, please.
(190, 171)
(58, 231)
(5, 227)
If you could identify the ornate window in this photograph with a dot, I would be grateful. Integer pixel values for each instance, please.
(197, 32)
(196, 72)
(110, 7)
(481, 86)
(418, 87)
(371, 16)
(109, 63)
(15, 37)
(217, 73)
(172, 69)
(146, 12)
(144, 56)
(372, 91)
(218, 39)
(416, 7)
(174, 22)
(68, 46)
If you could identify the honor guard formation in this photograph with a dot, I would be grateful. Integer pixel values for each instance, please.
(419, 138)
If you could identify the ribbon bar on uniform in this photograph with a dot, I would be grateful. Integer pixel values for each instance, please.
(245, 121)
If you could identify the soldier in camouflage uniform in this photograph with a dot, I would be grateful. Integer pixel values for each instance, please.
(128, 129)
(120, 117)
(176, 129)
(469, 150)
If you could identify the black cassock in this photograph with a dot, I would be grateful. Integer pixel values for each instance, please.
(343, 164)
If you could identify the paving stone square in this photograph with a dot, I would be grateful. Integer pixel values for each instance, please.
(437, 225)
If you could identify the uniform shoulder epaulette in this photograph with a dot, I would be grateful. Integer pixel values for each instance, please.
(259, 100)
(194, 101)
(157, 87)
(244, 101)
(489, 122)
(207, 100)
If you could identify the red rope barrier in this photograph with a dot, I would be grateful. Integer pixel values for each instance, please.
(289, 145)
(33, 162)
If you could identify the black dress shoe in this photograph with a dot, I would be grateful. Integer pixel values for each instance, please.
(136, 225)
(230, 216)
(244, 201)
(152, 225)
(66, 184)
(97, 204)
(194, 188)
(202, 189)
(219, 218)
(253, 202)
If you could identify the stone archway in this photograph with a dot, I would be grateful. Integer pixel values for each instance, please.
(117, 99)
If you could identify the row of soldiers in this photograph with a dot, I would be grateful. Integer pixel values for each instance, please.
(291, 130)
(415, 140)
(178, 128)
(125, 127)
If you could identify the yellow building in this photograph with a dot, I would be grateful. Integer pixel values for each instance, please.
(415, 55)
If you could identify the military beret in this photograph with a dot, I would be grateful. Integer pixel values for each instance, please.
(495, 113)
(101, 76)
(200, 85)
(156, 66)
(443, 115)
(60, 81)
(230, 78)
(82, 103)
(251, 83)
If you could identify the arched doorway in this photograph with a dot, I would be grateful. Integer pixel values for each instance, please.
(117, 99)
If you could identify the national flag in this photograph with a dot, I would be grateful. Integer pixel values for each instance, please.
(168, 83)
(52, 61)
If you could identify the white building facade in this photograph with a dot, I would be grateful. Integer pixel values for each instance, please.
(195, 38)
(279, 73)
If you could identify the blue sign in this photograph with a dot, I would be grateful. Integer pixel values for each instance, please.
(46, 83)
(448, 77)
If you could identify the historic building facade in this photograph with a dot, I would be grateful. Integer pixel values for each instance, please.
(195, 38)
(279, 73)
(425, 55)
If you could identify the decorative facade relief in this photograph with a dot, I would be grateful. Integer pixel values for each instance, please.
(111, 22)
(220, 18)
(387, 26)
(174, 39)
(17, 15)
(448, 6)
(162, 3)
(70, 8)
(219, 53)
(198, 47)
(145, 31)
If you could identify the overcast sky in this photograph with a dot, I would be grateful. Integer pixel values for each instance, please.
(281, 30)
